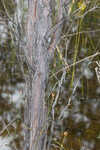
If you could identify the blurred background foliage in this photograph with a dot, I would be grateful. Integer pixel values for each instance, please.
(7, 7)
(73, 91)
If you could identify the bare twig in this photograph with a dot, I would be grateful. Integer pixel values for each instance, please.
(76, 63)
(70, 99)
(90, 10)
(58, 92)
(9, 124)
(97, 70)
(76, 33)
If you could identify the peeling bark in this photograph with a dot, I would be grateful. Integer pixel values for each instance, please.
(38, 56)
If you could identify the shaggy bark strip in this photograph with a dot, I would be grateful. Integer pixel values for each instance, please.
(38, 57)
(39, 22)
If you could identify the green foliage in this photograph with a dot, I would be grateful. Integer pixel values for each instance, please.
(82, 32)
(7, 7)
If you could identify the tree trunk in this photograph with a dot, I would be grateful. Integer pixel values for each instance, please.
(38, 55)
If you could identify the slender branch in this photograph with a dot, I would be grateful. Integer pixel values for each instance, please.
(76, 63)
(73, 34)
(9, 124)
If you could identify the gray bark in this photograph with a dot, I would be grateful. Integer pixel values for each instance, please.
(38, 52)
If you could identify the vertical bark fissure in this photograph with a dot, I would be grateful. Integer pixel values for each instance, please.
(38, 57)
(39, 22)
